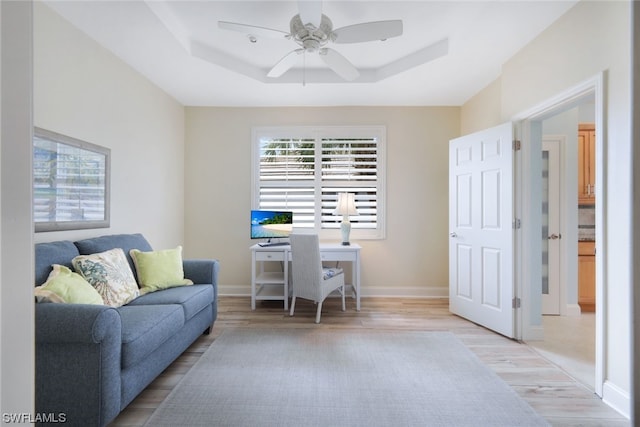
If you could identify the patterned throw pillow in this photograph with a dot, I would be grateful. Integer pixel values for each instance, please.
(109, 273)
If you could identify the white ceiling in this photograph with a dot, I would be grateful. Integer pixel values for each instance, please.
(448, 52)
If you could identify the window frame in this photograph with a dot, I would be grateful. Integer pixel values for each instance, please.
(318, 133)
(105, 153)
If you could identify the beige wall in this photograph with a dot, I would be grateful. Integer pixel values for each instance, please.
(483, 110)
(83, 91)
(412, 260)
(591, 38)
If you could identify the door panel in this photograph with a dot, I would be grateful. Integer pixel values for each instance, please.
(491, 277)
(480, 221)
(551, 233)
(463, 212)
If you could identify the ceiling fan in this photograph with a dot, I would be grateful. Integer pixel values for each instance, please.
(312, 31)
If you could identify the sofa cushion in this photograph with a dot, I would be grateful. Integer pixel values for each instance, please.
(109, 273)
(145, 328)
(159, 270)
(192, 298)
(124, 241)
(65, 286)
(47, 254)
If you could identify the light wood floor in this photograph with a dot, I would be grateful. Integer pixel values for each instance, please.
(555, 395)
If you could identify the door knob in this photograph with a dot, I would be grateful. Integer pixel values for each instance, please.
(555, 237)
(453, 234)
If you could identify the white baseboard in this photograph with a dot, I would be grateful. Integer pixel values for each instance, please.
(617, 398)
(388, 292)
(406, 292)
(572, 310)
(234, 290)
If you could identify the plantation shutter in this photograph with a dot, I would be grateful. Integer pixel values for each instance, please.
(287, 178)
(350, 166)
(305, 174)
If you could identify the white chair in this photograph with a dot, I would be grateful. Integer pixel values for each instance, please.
(310, 280)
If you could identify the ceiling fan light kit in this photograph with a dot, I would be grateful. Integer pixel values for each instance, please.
(308, 36)
(312, 31)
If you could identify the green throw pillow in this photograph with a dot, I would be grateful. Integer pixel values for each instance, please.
(63, 285)
(159, 270)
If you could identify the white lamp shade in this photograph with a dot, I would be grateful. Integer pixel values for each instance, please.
(346, 204)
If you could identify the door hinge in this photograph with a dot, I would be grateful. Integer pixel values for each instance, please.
(516, 145)
(515, 302)
(516, 224)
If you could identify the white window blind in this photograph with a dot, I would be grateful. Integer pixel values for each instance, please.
(70, 183)
(302, 169)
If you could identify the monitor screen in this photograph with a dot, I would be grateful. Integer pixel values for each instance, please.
(271, 224)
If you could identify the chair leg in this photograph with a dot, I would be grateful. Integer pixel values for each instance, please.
(293, 305)
(318, 312)
(344, 307)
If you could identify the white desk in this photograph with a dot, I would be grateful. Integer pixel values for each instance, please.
(274, 285)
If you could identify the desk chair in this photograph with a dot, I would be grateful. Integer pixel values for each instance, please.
(310, 280)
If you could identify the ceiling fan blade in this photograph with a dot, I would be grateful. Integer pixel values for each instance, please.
(252, 30)
(368, 31)
(310, 12)
(288, 61)
(339, 64)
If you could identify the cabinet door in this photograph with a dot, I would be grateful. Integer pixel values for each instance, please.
(586, 276)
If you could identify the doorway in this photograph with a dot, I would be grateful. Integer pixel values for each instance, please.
(569, 333)
(534, 126)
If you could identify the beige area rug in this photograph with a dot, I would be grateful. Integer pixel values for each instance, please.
(319, 377)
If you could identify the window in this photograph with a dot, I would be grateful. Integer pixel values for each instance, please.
(70, 183)
(302, 169)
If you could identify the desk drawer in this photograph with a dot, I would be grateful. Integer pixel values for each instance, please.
(269, 255)
(338, 256)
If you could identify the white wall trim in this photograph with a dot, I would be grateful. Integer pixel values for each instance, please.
(572, 310)
(561, 102)
(617, 398)
(387, 291)
(17, 388)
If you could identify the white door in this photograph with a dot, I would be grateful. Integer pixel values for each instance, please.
(481, 286)
(551, 234)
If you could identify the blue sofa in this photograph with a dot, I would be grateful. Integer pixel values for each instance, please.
(93, 360)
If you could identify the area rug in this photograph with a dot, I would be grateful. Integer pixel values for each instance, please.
(321, 377)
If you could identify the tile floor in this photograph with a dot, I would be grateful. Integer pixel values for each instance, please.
(569, 342)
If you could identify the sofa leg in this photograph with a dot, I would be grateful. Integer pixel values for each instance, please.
(207, 331)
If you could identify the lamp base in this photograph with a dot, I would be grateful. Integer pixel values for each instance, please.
(345, 229)
(346, 243)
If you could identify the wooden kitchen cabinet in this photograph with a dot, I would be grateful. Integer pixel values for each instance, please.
(587, 276)
(586, 164)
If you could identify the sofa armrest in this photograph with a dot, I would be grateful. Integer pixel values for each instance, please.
(78, 352)
(76, 323)
(202, 271)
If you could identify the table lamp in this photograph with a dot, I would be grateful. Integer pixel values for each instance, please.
(346, 206)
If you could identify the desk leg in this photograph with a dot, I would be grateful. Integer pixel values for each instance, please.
(356, 280)
(253, 281)
(285, 273)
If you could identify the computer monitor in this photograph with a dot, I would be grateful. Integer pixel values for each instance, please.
(269, 225)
